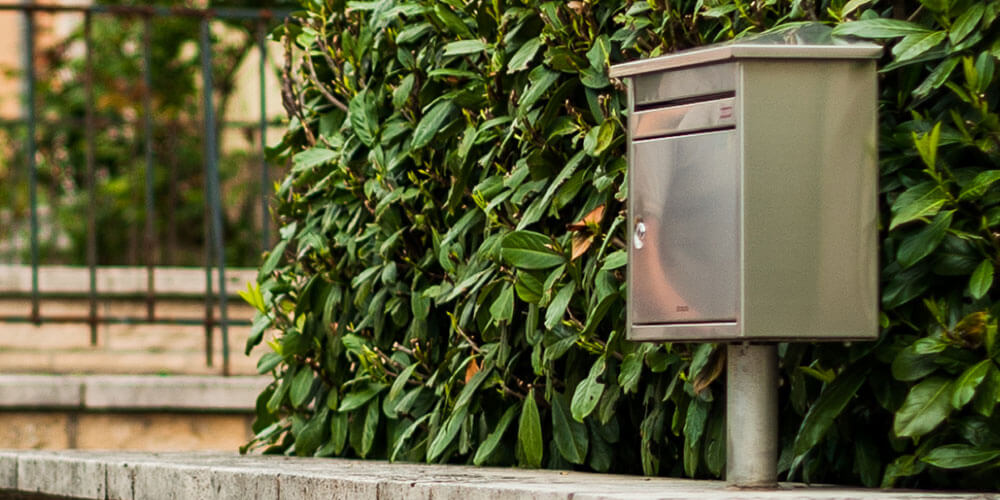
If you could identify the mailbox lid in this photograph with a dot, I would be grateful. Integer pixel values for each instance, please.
(810, 41)
(684, 242)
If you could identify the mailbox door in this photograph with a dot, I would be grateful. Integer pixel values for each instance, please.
(684, 265)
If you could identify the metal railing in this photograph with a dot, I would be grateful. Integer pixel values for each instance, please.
(215, 294)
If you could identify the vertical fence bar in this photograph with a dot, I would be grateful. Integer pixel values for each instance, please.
(152, 246)
(213, 187)
(29, 111)
(91, 189)
(265, 238)
(208, 128)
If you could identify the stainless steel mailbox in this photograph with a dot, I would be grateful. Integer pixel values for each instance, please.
(753, 191)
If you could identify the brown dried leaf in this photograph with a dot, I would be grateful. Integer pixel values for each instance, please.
(471, 370)
(581, 243)
(711, 371)
(591, 219)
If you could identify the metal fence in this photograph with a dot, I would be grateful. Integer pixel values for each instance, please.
(214, 248)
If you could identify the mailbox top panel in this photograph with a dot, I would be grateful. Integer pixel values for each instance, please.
(813, 41)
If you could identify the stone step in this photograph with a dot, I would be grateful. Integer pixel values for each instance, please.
(126, 476)
(179, 413)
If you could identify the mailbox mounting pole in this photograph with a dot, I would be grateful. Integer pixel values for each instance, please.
(751, 415)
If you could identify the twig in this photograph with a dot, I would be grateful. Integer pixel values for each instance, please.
(322, 88)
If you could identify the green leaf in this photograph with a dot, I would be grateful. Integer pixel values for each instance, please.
(615, 259)
(827, 407)
(979, 185)
(910, 365)
(588, 392)
(926, 406)
(529, 432)
(490, 443)
(358, 397)
(920, 245)
(502, 308)
(958, 456)
(879, 28)
(981, 280)
(968, 382)
(405, 436)
(599, 138)
(446, 434)
(922, 200)
(988, 394)
(389, 404)
(451, 20)
(301, 386)
(525, 53)
(631, 369)
(569, 435)
(915, 45)
(851, 6)
(966, 22)
(268, 361)
(539, 81)
(529, 250)
(927, 145)
(313, 157)
(464, 47)
(364, 122)
(904, 466)
(431, 123)
(557, 308)
(372, 416)
(694, 427)
(338, 432)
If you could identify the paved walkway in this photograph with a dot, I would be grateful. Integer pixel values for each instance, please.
(117, 475)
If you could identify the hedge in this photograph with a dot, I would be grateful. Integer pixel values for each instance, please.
(448, 286)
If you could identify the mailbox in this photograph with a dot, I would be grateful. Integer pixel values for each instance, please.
(753, 191)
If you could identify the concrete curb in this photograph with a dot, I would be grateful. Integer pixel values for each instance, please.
(118, 475)
(130, 392)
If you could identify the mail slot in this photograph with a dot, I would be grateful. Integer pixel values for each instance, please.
(753, 191)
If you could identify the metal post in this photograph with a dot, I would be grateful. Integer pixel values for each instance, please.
(91, 188)
(752, 415)
(152, 245)
(212, 185)
(30, 115)
(265, 238)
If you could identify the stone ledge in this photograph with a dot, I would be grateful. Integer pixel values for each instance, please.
(126, 476)
(130, 392)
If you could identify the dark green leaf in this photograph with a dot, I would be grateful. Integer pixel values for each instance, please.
(490, 443)
(432, 123)
(957, 456)
(981, 280)
(879, 28)
(525, 53)
(926, 406)
(921, 200)
(529, 432)
(529, 250)
(968, 382)
(557, 308)
(360, 395)
(301, 386)
(827, 407)
(920, 245)
(588, 392)
(569, 435)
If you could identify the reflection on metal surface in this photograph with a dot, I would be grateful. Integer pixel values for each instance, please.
(689, 268)
(685, 118)
(685, 84)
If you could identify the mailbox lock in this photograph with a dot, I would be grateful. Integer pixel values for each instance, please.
(639, 234)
